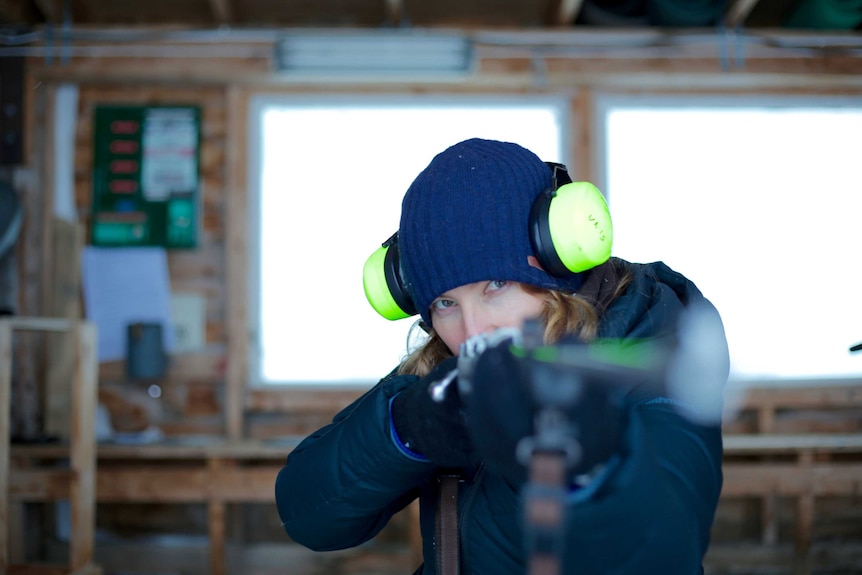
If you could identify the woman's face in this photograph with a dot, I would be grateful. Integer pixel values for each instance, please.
(481, 307)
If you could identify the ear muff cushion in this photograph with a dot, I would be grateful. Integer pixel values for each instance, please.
(580, 226)
(383, 288)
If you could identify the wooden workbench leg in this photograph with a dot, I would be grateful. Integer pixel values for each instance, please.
(82, 491)
(769, 503)
(5, 422)
(17, 521)
(215, 523)
(769, 519)
(804, 521)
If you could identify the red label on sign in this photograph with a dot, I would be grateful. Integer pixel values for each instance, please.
(124, 147)
(124, 186)
(124, 126)
(124, 166)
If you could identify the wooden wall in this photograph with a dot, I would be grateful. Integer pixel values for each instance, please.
(206, 392)
(190, 403)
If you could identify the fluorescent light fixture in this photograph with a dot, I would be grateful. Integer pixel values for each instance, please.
(396, 53)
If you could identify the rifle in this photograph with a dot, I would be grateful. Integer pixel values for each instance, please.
(689, 367)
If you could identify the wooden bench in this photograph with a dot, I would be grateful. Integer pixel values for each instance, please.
(217, 472)
(802, 443)
(209, 471)
(810, 409)
(212, 471)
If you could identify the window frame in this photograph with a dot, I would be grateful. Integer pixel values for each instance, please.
(605, 101)
(258, 103)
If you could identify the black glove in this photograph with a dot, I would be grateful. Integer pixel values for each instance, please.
(504, 402)
(434, 429)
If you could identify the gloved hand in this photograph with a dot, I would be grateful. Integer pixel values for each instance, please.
(505, 397)
(434, 429)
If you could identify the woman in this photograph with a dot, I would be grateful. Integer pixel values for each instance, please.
(472, 256)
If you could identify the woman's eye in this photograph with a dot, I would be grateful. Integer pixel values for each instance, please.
(442, 304)
(496, 284)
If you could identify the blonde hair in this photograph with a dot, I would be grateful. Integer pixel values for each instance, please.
(562, 314)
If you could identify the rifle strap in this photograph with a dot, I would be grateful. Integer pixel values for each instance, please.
(448, 540)
(544, 511)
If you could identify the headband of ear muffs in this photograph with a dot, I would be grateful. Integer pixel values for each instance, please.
(570, 230)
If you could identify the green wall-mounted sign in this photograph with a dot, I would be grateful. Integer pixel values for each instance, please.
(146, 176)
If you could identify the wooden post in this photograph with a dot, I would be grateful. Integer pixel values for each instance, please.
(582, 163)
(61, 349)
(82, 492)
(5, 421)
(236, 246)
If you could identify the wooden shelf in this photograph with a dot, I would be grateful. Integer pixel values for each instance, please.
(79, 482)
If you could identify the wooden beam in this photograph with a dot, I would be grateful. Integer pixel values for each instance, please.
(804, 75)
(237, 248)
(760, 443)
(301, 400)
(165, 473)
(222, 11)
(204, 366)
(738, 11)
(188, 452)
(136, 483)
(838, 396)
(24, 323)
(791, 479)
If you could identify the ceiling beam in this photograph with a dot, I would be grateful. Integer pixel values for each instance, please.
(222, 11)
(738, 11)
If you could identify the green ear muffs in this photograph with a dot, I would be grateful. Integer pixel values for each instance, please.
(571, 229)
(384, 288)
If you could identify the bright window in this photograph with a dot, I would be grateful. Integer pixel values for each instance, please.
(759, 203)
(330, 176)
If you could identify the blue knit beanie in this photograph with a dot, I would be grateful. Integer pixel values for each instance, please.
(465, 218)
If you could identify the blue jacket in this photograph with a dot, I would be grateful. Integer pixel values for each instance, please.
(650, 511)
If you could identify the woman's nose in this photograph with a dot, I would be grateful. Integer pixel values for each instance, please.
(476, 322)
